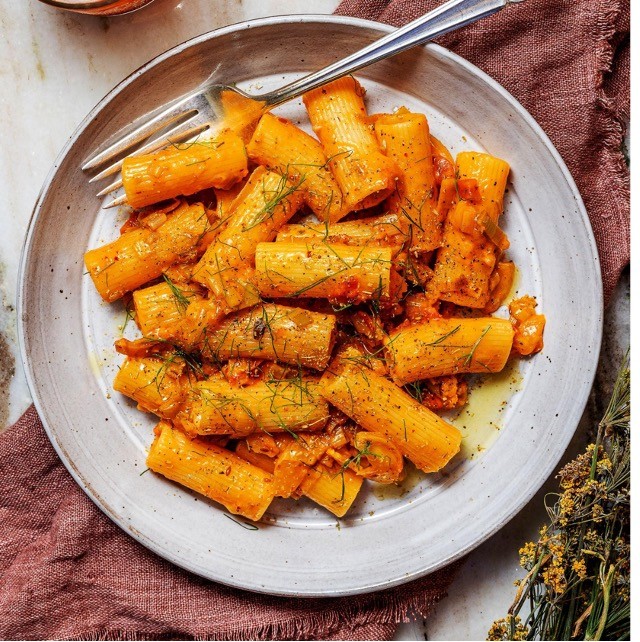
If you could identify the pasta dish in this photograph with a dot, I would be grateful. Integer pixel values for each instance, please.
(309, 306)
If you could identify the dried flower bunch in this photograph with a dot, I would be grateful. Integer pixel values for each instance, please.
(578, 581)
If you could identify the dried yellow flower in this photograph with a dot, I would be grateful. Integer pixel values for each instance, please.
(553, 575)
(574, 474)
(527, 554)
(580, 568)
(578, 580)
(502, 629)
(567, 505)
(604, 464)
(590, 536)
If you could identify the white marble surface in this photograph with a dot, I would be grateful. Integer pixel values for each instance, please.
(54, 67)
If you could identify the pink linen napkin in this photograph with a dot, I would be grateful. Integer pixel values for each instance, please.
(67, 572)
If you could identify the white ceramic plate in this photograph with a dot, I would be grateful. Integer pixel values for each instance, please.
(67, 332)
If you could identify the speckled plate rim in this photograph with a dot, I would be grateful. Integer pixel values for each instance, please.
(581, 393)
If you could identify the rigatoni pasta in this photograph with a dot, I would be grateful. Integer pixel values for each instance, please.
(183, 169)
(341, 273)
(157, 385)
(281, 146)
(334, 490)
(161, 309)
(262, 207)
(385, 230)
(404, 137)
(448, 346)
(280, 333)
(217, 407)
(142, 254)
(380, 406)
(339, 118)
(490, 174)
(293, 346)
(471, 243)
(213, 471)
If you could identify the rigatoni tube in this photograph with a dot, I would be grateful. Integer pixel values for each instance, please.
(295, 459)
(281, 146)
(216, 407)
(183, 169)
(157, 385)
(467, 258)
(385, 231)
(491, 173)
(380, 406)
(142, 255)
(340, 273)
(161, 308)
(465, 261)
(243, 489)
(441, 347)
(335, 491)
(267, 201)
(500, 285)
(275, 332)
(404, 137)
(339, 119)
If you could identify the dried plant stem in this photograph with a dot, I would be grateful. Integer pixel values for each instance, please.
(578, 580)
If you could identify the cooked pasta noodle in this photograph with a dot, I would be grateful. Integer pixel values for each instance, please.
(404, 136)
(213, 471)
(448, 346)
(336, 272)
(142, 254)
(339, 118)
(274, 332)
(216, 407)
(380, 406)
(468, 255)
(184, 169)
(267, 202)
(279, 145)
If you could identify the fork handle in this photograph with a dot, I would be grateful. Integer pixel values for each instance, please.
(447, 17)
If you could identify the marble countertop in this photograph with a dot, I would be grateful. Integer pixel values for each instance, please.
(54, 67)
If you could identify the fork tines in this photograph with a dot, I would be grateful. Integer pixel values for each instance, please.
(183, 121)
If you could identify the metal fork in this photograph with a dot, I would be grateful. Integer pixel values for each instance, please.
(190, 116)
